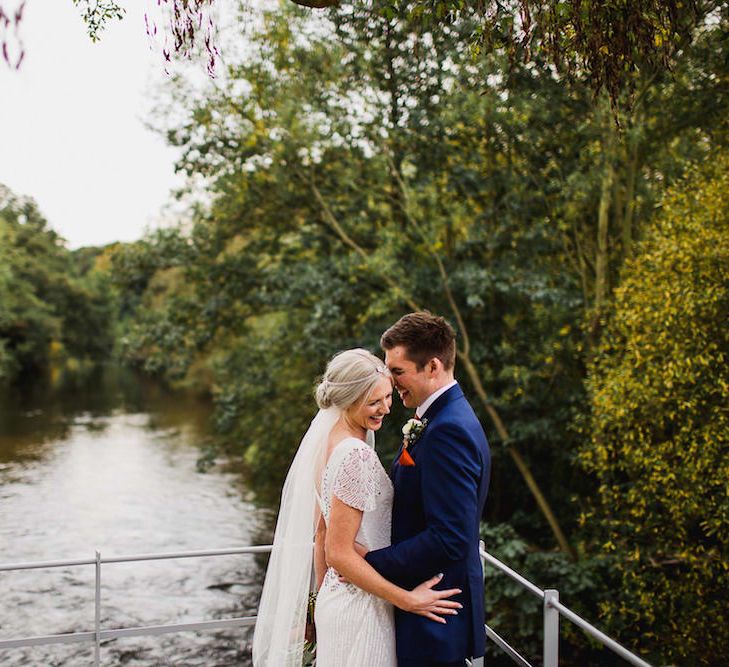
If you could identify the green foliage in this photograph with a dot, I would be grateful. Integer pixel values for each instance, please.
(8, 364)
(659, 390)
(607, 43)
(98, 13)
(516, 614)
(52, 314)
(287, 152)
(156, 330)
(500, 185)
(353, 168)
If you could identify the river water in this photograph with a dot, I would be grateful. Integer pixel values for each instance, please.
(109, 463)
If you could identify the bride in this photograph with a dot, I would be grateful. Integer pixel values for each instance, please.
(338, 497)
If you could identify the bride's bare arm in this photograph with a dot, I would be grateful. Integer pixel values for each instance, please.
(320, 565)
(341, 554)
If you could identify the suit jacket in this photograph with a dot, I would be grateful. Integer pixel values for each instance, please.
(435, 528)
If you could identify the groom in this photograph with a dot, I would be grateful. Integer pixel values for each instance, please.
(441, 481)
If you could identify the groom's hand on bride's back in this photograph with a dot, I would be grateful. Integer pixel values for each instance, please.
(424, 600)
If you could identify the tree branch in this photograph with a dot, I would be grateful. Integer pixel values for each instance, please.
(316, 4)
(332, 221)
(465, 358)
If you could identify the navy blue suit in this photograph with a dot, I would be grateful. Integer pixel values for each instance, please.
(435, 528)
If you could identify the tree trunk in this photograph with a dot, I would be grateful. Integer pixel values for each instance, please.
(602, 263)
(391, 85)
(584, 282)
(516, 456)
(627, 226)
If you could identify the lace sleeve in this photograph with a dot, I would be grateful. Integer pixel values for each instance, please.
(356, 482)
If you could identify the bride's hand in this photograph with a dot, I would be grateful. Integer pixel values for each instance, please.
(424, 601)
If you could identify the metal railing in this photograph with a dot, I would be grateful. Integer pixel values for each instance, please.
(98, 634)
(552, 609)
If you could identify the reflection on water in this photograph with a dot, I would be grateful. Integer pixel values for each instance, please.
(109, 464)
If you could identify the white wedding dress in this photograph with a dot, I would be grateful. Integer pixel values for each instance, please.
(355, 628)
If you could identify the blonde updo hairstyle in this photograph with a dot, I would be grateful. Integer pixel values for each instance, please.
(350, 377)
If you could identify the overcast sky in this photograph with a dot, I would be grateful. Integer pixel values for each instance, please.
(72, 125)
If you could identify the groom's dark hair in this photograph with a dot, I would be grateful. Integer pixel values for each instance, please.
(424, 336)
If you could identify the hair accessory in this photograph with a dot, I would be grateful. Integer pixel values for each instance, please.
(381, 370)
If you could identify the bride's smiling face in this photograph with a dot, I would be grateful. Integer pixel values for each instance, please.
(369, 413)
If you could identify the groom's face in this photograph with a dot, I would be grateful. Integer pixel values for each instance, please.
(413, 385)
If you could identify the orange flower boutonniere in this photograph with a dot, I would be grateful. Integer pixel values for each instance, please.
(411, 432)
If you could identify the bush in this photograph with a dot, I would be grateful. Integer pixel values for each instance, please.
(659, 390)
(516, 614)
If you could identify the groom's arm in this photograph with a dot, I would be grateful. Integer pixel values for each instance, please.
(449, 486)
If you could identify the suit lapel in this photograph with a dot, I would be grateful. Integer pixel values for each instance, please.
(454, 393)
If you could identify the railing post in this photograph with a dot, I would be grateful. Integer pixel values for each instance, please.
(97, 612)
(551, 629)
(478, 662)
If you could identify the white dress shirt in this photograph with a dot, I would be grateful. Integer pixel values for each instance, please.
(429, 401)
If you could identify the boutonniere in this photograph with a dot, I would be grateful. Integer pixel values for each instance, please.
(411, 432)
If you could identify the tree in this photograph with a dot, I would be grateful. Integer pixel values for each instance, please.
(468, 190)
(356, 169)
(607, 43)
(50, 312)
(659, 447)
(347, 197)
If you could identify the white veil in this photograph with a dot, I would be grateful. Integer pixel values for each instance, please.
(278, 640)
